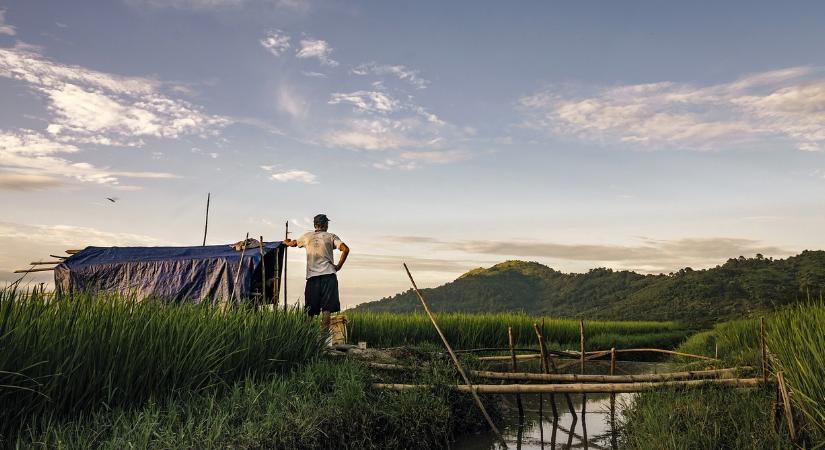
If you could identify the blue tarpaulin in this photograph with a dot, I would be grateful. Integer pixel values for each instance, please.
(174, 274)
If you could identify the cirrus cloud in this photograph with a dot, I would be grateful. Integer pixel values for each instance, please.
(775, 107)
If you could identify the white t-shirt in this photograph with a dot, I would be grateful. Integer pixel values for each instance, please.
(319, 246)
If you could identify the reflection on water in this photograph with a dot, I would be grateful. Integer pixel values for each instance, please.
(540, 431)
(595, 429)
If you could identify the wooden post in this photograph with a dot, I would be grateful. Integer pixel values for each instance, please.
(460, 369)
(206, 223)
(286, 236)
(546, 370)
(764, 349)
(263, 273)
(581, 339)
(515, 370)
(613, 396)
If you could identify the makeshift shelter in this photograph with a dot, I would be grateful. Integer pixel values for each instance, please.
(213, 273)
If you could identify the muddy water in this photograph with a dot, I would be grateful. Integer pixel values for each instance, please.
(595, 429)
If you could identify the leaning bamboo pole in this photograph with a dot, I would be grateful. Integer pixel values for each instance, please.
(44, 263)
(546, 370)
(578, 362)
(507, 358)
(786, 405)
(42, 269)
(581, 388)
(460, 369)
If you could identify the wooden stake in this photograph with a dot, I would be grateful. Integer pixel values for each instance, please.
(764, 349)
(546, 371)
(613, 396)
(73, 251)
(206, 223)
(469, 386)
(263, 272)
(581, 340)
(43, 263)
(583, 359)
(786, 404)
(515, 370)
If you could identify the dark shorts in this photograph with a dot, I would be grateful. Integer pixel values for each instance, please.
(321, 294)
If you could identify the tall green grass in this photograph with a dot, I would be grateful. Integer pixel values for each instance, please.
(795, 337)
(61, 358)
(490, 330)
(796, 340)
(325, 404)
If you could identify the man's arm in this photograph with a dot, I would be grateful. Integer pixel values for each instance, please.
(290, 243)
(344, 252)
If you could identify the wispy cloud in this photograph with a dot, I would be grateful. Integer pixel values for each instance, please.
(300, 6)
(4, 27)
(27, 156)
(318, 49)
(401, 72)
(92, 107)
(366, 101)
(286, 176)
(777, 106)
(289, 101)
(21, 182)
(649, 255)
(276, 41)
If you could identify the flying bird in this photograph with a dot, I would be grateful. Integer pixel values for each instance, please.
(112, 199)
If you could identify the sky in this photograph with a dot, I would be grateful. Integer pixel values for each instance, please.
(649, 136)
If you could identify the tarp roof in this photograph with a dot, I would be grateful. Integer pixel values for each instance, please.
(172, 273)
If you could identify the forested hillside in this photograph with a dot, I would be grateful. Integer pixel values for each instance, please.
(740, 286)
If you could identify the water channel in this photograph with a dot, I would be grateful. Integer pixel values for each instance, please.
(595, 429)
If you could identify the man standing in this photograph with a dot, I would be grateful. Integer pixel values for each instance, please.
(321, 292)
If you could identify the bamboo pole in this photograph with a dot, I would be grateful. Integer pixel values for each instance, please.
(460, 369)
(286, 236)
(578, 361)
(507, 358)
(581, 388)
(46, 269)
(669, 352)
(515, 370)
(240, 266)
(495, 349)
(43, 263)
(786, 405)
(58, 256)
(263, 273)
(764, 349)
(587, 378)
(73, 251)
(613, 397)
(546, 371)
(206, 222)
(592, 378)
(581, 342)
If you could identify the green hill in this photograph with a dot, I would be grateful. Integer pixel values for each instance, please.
(738, 287)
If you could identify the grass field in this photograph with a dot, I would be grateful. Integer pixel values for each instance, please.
(466, 331)
(795, 338)
(325, 404)
(59, 359)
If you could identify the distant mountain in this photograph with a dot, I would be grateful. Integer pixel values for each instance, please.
(738, 287)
